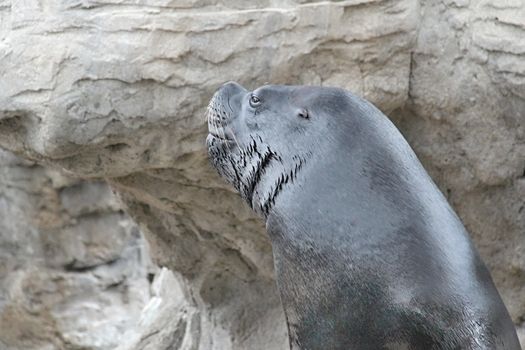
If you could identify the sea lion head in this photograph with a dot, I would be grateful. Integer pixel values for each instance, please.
(261, 140)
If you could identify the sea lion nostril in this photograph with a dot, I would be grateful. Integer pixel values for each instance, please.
(233, 86)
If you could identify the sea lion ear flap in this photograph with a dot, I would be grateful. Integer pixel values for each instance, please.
(303, 113)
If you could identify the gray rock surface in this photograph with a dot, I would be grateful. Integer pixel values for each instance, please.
(117, 89)
(73, 267)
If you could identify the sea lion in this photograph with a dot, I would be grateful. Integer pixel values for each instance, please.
(368, 253)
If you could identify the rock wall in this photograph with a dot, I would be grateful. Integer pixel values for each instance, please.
(73, 267)
(116, 90)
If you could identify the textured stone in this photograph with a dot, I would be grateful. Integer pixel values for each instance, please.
(117, 89)
(121, 91)
(72, 275)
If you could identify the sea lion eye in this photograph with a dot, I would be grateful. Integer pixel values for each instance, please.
(254, 101)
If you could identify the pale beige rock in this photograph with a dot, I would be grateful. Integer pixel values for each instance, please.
(72, 275)
(108, 93)
(117, 89)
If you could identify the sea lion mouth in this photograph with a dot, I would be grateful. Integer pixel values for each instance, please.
(218, 119)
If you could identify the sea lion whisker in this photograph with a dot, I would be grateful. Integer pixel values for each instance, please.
(235, 139)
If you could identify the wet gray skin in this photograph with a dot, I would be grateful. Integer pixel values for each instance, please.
(368, 253)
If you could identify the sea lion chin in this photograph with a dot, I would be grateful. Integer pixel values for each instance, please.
(368, 253)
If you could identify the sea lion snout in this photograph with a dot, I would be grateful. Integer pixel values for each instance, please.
(223, 108)
(231, 95)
